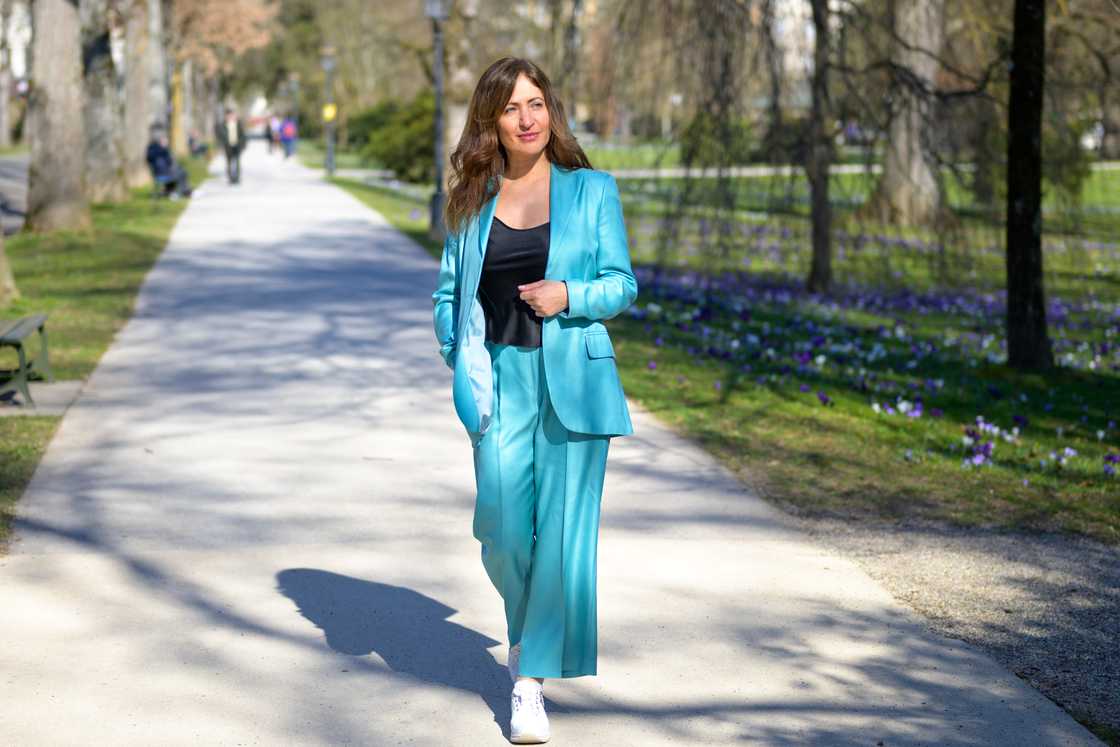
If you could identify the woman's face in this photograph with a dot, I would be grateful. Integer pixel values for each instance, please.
(523, 126)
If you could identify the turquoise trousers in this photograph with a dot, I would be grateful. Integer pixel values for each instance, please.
(537, 517)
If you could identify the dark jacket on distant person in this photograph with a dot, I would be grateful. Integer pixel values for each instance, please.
(160, 159)
(222, 135)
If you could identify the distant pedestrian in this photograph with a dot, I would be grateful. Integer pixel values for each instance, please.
(288, 135)
(231, 134)
(166, 171)
(273, 130)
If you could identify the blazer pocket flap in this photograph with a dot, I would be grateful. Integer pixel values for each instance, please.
(599, 345)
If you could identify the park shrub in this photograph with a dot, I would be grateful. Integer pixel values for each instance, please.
(360, 126)
(403, 140)
(708, 140)
(783, 145)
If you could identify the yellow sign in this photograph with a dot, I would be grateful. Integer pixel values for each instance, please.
(330, 111)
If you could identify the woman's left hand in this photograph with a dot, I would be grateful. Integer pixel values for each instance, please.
(545, 297)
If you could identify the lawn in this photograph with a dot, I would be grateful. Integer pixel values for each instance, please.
(875, 403)
(313, 154)
(87, 282)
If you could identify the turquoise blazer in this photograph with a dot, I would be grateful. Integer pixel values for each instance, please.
(588, 251)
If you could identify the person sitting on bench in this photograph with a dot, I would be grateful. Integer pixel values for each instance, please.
(165, 169)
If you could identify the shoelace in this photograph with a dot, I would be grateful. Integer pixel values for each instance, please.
(535, 701)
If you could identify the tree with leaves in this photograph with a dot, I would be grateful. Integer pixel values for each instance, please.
(208, 38)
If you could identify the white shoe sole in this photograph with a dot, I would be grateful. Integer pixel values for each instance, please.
(528, 739)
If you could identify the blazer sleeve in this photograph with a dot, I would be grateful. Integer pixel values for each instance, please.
(614, 288)
(446, 299)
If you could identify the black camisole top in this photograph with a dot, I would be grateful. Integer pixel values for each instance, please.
(514, 256)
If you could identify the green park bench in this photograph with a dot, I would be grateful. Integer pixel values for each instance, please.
(14, 335)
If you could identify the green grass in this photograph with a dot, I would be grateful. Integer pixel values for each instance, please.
(22, 443)
(641, 156)
(313, 154)
(87, 282)
(845, 460)
(407, 215)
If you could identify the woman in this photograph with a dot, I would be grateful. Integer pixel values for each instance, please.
(535, 259)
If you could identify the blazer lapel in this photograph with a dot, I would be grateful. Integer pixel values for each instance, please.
(485, 221)
(561, 199)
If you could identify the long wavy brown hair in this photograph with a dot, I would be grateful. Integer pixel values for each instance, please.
(480, 158)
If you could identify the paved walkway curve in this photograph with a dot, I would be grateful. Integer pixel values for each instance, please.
(254, 528)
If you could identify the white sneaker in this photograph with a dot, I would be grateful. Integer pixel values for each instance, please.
(514, 661)
(528, 723)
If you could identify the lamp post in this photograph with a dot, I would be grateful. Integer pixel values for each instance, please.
(436, 10)
(329, 109)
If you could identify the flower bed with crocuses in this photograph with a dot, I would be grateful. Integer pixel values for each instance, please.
(893, 404)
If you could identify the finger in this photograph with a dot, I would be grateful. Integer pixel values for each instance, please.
(530, 286)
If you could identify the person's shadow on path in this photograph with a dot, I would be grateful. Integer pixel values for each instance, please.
(408, 630)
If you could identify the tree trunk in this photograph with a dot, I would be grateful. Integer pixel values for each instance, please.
(555, 46)
(1110, 110)
(984, 182)
(909, 190)
(137, 115)
(55, 192)
(178, 134)
(572, 54)
(157, 65)
(819, 155)
(5, 76)
(186, 119)
(105, 179)
(774, 124)
(1028, 345)
(8, 290)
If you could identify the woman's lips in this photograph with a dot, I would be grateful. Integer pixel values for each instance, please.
(528, 136)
